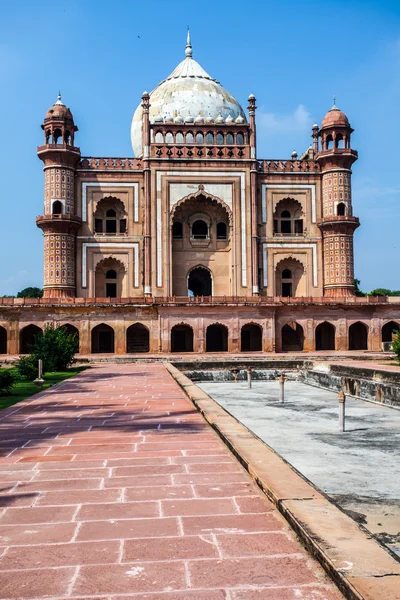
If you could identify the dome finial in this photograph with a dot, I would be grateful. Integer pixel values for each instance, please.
(334, 107)
(59, 101)
(188, 50)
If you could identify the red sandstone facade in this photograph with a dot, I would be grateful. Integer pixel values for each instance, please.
(196, 244)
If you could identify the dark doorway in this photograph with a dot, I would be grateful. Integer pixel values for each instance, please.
(199, 230)
(217, 338)
(137, 339)
(251, 338)
(181, 338)
(72, 330)
(292, 337)
(3, 340)
(325, 336)
(199, 282)
(111, 290)
(103, 339)
(27, 337)
(389, 330)
(358, 336)
(286, 289)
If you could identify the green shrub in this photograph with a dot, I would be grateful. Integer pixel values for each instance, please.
(56, 347)
(396, 345)
(7, 380)
(27, 367)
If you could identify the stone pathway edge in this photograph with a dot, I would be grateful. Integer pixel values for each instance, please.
(361, 568)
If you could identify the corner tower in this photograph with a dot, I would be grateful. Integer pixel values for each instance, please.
(337, 224)
(59, 222)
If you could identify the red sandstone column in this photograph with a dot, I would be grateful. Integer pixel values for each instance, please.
(253, 195)
(147, 193)
(338, 223)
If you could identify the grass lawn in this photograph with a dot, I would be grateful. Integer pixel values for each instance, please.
(24, 389)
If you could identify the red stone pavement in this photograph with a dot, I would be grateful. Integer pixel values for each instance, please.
(113, 486)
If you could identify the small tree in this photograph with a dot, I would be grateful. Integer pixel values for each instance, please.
(396, 345)
(56, 347)
(30, 292)
(357, 290)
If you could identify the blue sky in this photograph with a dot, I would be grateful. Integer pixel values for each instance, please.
(294, 56)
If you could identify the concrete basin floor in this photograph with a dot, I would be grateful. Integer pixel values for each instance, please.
(358, 469)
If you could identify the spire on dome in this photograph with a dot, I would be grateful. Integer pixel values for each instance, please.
(188, 50)
(59, 102)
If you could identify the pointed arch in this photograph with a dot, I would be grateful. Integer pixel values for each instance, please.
(251, 338)
(201, 194)
(102, 336)
(27, 337)
(358, 336)
(325, 336)
(292, 337)
(182, 338)
(137, 338)
(217, 338)
(3, 340)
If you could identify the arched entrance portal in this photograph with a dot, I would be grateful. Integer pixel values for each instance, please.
(358, 336)
(292, 337)
(217, 338)
(27, 337)
(388, 331)
(199, 282)
(181, 338)
(137, 339)
(251, 338)
(3, 340)
(325, 336)
(103, 339)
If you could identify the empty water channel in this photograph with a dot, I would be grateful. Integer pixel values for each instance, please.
(358, 469)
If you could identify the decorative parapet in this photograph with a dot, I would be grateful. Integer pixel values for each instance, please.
(202, 300)
(288, 166)
(199, 151)
(88, 163)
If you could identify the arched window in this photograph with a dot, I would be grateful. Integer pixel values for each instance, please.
(329, 142)
(57, 208)
(358, 336)
(111, 283)
(325, 336)
(210, 138)
(57, 136)
(288, 217)
(200, 230)
(199, 138)
(137, 339)
(286, 222)
(220, 138)
(181, 338)
(292, 337)
(251, 338)
(177, 230)
(339, 141)
(229, 138)
(27, 337)
(159, 138)
(341, 209)
(199, 282)
(103, 339)
(179, 138)
(240, 139)
(217, 338)
(189, 138)
(287, 283)
(111, 221)
(221, 231)
(169, 138)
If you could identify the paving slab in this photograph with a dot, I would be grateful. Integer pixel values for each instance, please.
(114, 486)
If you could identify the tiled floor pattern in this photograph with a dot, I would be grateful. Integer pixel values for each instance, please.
(113, 486)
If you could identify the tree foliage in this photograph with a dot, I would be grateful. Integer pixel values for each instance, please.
(56, 347)
(30, 292)
(7, 380)
(384, 292)
(357, 290)
(396, 345)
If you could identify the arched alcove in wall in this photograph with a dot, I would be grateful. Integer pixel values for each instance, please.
(182, 338)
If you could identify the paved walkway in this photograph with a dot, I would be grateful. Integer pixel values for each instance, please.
(114, 487)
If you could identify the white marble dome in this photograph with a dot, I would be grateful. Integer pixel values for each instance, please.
(188, 91)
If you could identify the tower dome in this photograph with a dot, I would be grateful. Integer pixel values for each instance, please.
(59, 110)
(335, 118)
(188, 91)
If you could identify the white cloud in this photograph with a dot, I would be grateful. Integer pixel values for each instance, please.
(298, 121)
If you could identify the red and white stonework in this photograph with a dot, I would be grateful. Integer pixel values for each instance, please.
(146, 253)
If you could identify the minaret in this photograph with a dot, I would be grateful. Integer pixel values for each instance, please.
(337, 223)
(59, 222)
